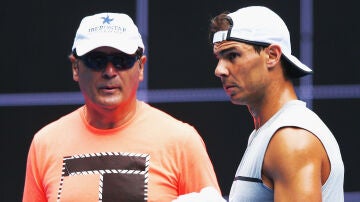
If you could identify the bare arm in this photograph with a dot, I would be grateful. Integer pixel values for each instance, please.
(295, 165)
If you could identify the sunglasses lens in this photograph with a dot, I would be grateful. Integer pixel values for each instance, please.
(123, 61)
(95, 60)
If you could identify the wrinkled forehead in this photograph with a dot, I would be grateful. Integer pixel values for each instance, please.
(226, 45)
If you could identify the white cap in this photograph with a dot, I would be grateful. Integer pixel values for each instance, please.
(115, 30)
(260, 25)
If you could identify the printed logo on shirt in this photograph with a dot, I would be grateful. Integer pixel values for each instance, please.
(122, 176)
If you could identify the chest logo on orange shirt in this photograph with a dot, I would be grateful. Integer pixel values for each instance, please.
(123, 176)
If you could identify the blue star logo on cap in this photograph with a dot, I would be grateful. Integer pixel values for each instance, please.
(107, 19)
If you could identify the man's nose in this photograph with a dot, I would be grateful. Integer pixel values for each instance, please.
(221, 69)
(110, 70)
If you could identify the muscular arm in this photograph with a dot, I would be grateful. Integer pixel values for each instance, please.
(295, 165)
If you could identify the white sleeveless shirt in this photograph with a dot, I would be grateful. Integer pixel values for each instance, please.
(248, 186)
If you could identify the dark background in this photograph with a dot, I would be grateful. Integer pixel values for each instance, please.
(37, 35)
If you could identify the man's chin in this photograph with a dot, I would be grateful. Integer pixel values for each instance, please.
(109, 103)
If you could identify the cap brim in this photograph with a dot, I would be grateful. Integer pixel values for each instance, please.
(298, 68)
(84, 46)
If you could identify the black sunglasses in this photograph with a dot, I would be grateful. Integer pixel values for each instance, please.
(98, 61)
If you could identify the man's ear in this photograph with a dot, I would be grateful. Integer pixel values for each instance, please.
(141, 68)
(274, 55)
(74, 67)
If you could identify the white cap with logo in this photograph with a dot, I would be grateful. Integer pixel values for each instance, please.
(260, 25)
(116, 30)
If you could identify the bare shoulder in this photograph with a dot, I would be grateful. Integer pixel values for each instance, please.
(294, 141)
(293, 153)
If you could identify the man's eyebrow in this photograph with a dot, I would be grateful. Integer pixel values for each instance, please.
(225, 51)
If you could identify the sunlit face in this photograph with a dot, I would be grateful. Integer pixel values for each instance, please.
(109, 87)
(242, 70)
